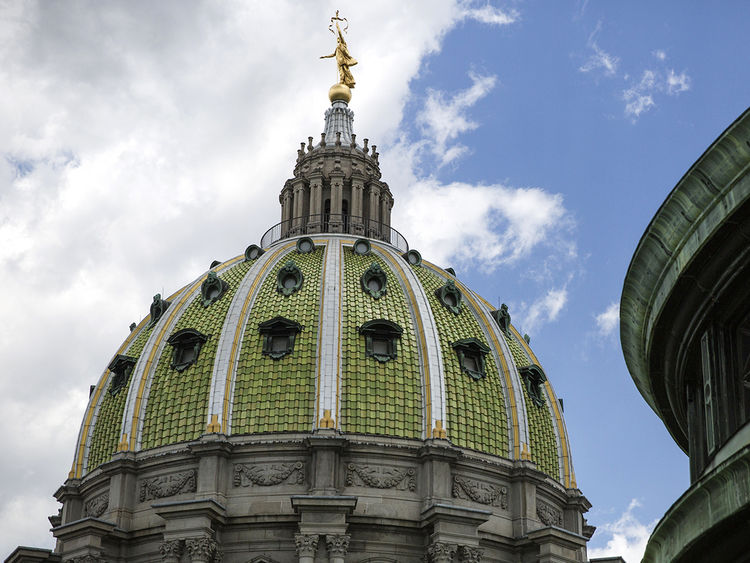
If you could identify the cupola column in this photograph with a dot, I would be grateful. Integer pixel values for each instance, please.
(298, 222)
(373, 227)
(337, 190)
(357, 208)
(316, 203)
(286, 199)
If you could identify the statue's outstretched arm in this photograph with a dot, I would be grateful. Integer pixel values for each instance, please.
(329, 56)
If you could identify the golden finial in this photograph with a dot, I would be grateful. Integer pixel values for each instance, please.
(341, 90)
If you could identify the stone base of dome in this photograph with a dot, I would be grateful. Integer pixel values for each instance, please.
(328, 496)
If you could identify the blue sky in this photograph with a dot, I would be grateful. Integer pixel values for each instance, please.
(527, 144)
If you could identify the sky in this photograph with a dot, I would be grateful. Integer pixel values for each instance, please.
(527, 144)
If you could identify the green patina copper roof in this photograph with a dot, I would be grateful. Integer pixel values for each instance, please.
(279, 395)
(476, 408)
(178, 401)
(106, 433)
(378, 398)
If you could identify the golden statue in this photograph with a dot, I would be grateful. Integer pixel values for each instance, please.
(343, 59)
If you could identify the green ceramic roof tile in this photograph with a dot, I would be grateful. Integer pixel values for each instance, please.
(476, 409)
(106, 433)
(378, 398)
(541, 430)
(186, 393)
(279, 395)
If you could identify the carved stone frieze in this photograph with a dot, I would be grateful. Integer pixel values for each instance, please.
(203, 549)
(441, 552)
(548, 514)
(167, 485)
(85, 559)
(96, 506)
(479, 491)
(468, 554)
(306, 544)
(381, 477)
(269, 474)
(337, 545)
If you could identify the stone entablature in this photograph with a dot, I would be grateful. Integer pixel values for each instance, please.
(340, 497)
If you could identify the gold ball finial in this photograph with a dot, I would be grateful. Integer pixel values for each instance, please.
(340, 92)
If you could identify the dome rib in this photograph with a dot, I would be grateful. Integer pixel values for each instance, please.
(431, 358)
(232, 332)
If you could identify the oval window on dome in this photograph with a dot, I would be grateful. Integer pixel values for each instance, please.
(362, 247)
(213, 288)
(305, 245)
(374, 281)
(253, 252)
(413, 257)
(289, 279)
(533, 378)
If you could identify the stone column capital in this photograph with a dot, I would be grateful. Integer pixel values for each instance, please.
(337, 544)
(467, 554)
(202, 550)
(171, 550)
(441, 552)
(306, 544)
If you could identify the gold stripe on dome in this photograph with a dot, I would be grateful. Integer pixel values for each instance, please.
(422, 343)
(471, 297)
(239, 329)
(175, 308)
(568, 477)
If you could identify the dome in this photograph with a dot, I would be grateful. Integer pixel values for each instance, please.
(326, 331)
(326, 383)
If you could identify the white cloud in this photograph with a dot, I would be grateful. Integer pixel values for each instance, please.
(627, 535)
(677, 83)
(489, 14)
(659, 54)
(639, 97)
(608, 320)
(599, 59)
(443, 120)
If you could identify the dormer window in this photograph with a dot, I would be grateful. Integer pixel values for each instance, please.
(121, 367)
(471, 353)
(533, 378)
(279, 335)
(374, 281)
(212, 289)
(289, 279)
(186, 347)
(450, 297)
(381, 337)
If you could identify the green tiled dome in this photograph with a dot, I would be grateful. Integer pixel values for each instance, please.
(415, 356)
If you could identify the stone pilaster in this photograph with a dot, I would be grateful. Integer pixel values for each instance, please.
(337, 194)
(373, 225)
(171, 550)
(441, 552)
(337, 546)
(307, 546)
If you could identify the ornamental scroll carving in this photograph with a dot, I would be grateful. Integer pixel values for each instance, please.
(203, 549)
(269, 474)
(478, 491)
(85, 559)
(548, 514)
(380, 477)
(97, 505)
(440, 552)
(468, 554)
(167, 485)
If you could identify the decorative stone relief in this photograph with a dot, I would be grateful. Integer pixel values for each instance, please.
(441, 552)
(468, 554)
(171, 550)
(548, 514)
(203, 549)
(306, 544)
(478, 491)
(337, 545)
(97, 505)
(85, 559)
(167, 485)
(269, 474)
(380, 477)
